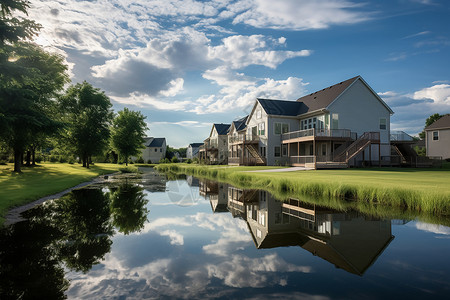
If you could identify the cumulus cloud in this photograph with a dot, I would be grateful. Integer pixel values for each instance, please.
(437, 229)
(440, 94)
(302, 14)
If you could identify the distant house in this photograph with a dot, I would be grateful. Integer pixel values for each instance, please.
(155, 149)
(192, 150)
(215, 147)
(437, 138)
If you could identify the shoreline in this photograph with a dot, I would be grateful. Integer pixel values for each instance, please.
(14, 215)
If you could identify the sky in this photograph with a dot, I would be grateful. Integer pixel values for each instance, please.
(186, 64)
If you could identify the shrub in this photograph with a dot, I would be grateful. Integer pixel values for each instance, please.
(38, 158)
(62, 159)
(149, 161)
(129, 169)
(140, 160)
(189, 161)
(174, 159)
(53, 158)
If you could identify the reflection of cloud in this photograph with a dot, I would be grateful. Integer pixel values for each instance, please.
(288, 296)
(175, 237)
(437, 229)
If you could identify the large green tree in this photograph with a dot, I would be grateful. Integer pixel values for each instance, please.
(128, 131)
(87, 113)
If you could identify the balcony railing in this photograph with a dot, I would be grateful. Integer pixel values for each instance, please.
(302, 160)
(398, 136)
(332, 133)
(243, 138)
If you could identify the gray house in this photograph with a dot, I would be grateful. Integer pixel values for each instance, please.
(437, 138)
(341, 125)
(155, 149)
(215, 147)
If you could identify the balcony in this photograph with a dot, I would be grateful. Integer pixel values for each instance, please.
(318, 134)
(400, 136)
(243, 139)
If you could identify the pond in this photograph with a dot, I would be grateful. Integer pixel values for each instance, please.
(150, 236)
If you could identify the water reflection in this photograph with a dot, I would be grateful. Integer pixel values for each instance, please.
(350, 240)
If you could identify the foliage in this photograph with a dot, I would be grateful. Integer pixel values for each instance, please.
(128, 208)
(128, 131)
(86, 111)
(14, 28)
(421, 151)
(174, 159)
(129, 169)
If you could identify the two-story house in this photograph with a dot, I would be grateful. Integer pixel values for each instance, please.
(154, 149)
(215, 147)
(341, 125)
(437, 138)
(192, 150)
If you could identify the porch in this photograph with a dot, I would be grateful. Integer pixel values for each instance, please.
(244, 151)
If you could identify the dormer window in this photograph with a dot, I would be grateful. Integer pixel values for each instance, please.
(258, 114)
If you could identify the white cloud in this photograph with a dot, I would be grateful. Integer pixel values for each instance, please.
(439, 93)
(437, 229)
(301, 14)
(175, 237)
(144, 100)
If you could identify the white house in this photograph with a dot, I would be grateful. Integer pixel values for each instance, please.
(341, 125)
(155, 149)
(215, 147)
(192, 150)
(437, 138)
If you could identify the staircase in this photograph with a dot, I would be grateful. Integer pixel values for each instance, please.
(255, 153)
(358, 146)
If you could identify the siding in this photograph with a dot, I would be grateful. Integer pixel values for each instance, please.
(440, 147)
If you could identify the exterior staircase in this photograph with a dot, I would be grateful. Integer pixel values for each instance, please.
(358, 146)
(255, 153)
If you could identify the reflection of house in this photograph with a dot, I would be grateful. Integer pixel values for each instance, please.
(437, 139)
(216, 192)
(215, 148)
(192, 181)
(350, 241)
(238, 199)
(155, 149)
(192, 150)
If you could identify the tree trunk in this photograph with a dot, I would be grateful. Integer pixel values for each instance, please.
(33, 155)
(126, 161)
(17, 161)
(28, 163)
(83, 158)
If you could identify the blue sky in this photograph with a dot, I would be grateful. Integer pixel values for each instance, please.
(187, 64)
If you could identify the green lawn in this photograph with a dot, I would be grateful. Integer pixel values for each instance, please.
(43, 180)
(416, 189)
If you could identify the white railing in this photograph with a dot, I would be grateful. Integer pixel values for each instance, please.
(242, 138)
(400, 136)
(338, 133)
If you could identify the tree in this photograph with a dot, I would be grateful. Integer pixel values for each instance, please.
(86, 112)
(26, 97)
(128, 131)
(430, 120)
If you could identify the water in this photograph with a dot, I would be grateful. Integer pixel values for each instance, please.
(144, 238)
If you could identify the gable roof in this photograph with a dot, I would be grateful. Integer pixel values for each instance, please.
(154, 142)
(322, 98)
(240, 124)
(195, 145)
(282, 107)
(443, 122)
(222, 128)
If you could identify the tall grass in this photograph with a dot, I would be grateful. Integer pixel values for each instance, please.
(361, 194)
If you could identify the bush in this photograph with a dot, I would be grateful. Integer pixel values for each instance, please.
(62, 159)
(71, 161)
(129, 169)
(149, 161)
(53, 158)
(38, 158)
(164, 161)
(140, 160)
(189, 161)
(174, 160)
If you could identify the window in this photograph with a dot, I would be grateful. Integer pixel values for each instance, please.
(262, 151)
(258, 114)
(277, 151)
(156, 150)
(324, 149)
(277, 129)
(261, 129)
(383, 123)
(284, 128)
(435, 135)
(335, 121)
(284, 150)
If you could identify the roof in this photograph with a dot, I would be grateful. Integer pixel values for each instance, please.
(321, 99)
(154, 142)
(195, 145)
(240, 124)
(282, 107)
(221, 128)
(443, 122)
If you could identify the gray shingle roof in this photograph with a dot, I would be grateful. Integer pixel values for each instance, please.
(154, 142)
(282, 107)
(240, 124)
(195, 145)
(443, 122)
(222, 128)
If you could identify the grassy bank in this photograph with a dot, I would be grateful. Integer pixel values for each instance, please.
(424, 190)
(43, 180)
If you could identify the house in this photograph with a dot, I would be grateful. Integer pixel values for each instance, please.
(437, 138)
(215, 147)
(343, 125)
(192, 150)
(155, 149)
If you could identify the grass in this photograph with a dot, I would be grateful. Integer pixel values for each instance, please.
(420, 190)
(43, 180)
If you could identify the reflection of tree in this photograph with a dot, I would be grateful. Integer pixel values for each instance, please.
(84, 217)
(128, 208)
(29, 264)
